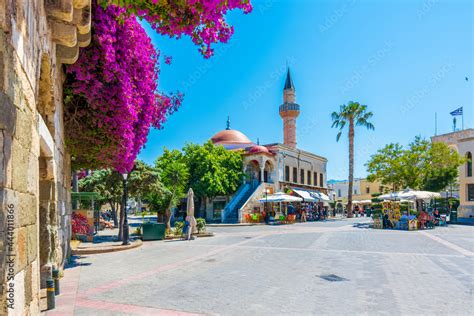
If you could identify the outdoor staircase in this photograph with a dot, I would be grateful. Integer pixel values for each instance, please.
(230, 215)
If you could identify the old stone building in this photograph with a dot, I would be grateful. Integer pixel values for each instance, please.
(36, 38)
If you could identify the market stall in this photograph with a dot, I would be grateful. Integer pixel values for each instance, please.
(278, 211)
(406, 210)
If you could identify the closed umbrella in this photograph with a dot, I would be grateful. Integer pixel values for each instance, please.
(190, 213)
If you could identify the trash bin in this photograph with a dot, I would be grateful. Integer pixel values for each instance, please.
(454, 216)
(153, 231)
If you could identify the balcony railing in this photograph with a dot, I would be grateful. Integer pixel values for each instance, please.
(289, 107)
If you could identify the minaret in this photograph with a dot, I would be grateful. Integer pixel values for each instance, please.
(289, 111)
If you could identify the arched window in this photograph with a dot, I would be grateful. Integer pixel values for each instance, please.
(469, 164)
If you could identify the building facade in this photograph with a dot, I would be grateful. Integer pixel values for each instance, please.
(271, 167)
(463, 142)
(36, 38)
(362, 190)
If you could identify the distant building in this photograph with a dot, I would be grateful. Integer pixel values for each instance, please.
(271, 167)
(361, 190)
(463, 142)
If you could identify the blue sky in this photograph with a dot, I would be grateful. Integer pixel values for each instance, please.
(404, 59)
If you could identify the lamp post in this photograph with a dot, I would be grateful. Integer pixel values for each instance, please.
(447, 202)
(126, 241)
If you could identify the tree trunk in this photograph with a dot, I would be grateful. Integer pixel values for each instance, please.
(113, 212)
(168, 219)
(75, 188)
(351, 168)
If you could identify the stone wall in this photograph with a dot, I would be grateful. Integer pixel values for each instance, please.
(36, 37)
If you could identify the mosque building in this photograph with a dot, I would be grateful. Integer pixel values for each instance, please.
(271, 167)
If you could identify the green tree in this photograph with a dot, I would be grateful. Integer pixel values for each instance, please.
(174, 175)
(421, 166)
(353, 114)
(385, 166)
(213, 169)
(108, 183)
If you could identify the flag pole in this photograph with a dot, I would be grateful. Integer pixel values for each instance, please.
(462, 119)
(436, 123)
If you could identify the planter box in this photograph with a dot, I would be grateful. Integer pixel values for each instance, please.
(378, 223)
(153, 231)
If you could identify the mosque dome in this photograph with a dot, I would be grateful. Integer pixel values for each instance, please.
(258, 149)
(231, 139)
(230, 136)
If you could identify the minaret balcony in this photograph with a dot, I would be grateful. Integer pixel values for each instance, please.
(289, 107)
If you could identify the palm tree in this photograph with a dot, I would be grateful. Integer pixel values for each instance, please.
(352, 114)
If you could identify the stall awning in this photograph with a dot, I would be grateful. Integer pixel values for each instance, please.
(280, 197)
(321, 196)
(306, 195)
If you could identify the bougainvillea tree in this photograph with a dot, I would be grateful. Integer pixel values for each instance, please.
(111, 96)
(203, 20)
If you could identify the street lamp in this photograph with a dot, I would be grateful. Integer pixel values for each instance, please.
(447, 202)
(126, 241)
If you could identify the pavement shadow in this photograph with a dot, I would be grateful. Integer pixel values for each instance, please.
(362, 225)
(104, 238)
(74, 262)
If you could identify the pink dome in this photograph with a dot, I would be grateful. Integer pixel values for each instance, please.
(230, 136)
(257, 149)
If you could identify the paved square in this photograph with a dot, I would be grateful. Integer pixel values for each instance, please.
(334, 268)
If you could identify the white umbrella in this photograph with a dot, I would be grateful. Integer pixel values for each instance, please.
(190, 211)
(280, 197)
(409, 194)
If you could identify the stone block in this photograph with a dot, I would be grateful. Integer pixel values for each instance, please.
(60, 9)
(67, 55)
(64, 34)
(32, 239)
(8, 117)
(19, 294)
(20, 167)
(83, 40)
(24, 127)
(82, 20)
(9, 198)
(2, 71)
(33, 174)
(5, 159)
(22, 248)
(79, 4)
(28, 285)
(28, 209)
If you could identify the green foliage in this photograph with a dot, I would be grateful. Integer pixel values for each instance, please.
(213, 169)
(143, 180)
(386, 163)
(421, 166)
(377, 210)
(174, 176)
(201, 225)
(138, 231)
(350, 114)
(178, 228)
(107, 182)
